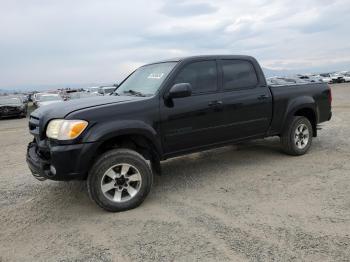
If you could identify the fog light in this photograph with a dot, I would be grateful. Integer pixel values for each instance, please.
(53, 170)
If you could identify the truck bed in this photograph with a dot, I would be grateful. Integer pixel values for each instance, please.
(316, 95)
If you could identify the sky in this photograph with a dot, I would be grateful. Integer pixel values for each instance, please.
(84, 41)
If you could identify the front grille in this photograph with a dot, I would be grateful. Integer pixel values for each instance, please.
(13, 109)
(44, 154)
(9, 109)
(42, 147)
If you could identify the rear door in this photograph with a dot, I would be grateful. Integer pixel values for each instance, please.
(247, 101)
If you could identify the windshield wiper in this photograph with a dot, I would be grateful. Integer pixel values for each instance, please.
(135, 93)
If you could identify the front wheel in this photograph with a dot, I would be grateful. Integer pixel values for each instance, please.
(119, 180)
(297, 137)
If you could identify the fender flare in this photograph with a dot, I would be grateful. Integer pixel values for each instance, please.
(104, 131)
(298, 103)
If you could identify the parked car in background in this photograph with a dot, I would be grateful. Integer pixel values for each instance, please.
(309, 78)
(326, 78)
(80, 95)
(93, 89)
(337, 78)
(275, 81)
(346, 76)
(66, 94)
(106, 90)
(25, 101)
(278, 81)
(48, 99)
(36, 97)
(24, 98)
(11, 107)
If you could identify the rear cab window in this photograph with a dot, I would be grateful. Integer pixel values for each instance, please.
(238, 74)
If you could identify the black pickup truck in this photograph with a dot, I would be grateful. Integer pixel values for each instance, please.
(167, 109)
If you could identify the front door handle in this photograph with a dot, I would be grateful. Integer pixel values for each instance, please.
(263, 97)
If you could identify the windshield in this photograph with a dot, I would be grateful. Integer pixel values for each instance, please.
(146, 80)
(49, 98)
(10, 101)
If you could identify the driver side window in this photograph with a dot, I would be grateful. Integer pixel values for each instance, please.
(201, 75)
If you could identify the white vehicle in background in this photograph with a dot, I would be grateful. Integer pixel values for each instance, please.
(309, 78)
(48, 99)
(36, 97)
(326, 78)
(80, 95)
(337, 78)
(106, 90)
(346, 76)
(93, 89)
(275, 81)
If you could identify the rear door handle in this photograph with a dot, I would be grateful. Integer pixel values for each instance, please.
(215, 103)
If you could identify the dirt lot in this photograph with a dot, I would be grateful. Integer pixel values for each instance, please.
(249, 202)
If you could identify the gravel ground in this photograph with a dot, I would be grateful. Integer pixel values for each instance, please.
(238, 203)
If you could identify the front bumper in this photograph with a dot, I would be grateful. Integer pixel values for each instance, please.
(60, 162)
(12, 114)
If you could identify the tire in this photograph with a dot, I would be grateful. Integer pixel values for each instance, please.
(293, 141)
(128, 189)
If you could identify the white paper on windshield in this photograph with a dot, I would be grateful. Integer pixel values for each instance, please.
(155, 76)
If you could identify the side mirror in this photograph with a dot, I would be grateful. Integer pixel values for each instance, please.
(179, 90)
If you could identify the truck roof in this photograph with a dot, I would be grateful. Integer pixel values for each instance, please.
(199, 57)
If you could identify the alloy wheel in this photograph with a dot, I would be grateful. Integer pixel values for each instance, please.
(121, 182)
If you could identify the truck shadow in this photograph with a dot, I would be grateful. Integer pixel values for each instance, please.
(178, 172)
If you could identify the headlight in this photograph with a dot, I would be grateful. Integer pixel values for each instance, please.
(61, 129)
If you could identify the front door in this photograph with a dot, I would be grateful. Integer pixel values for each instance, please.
(192, 121)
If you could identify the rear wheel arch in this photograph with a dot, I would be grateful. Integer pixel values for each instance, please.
(301, 106)
(310, 114)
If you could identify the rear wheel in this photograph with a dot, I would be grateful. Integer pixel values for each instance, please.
(297, 138)
(120, 180)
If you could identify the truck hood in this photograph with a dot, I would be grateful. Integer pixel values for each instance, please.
(61, 110)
